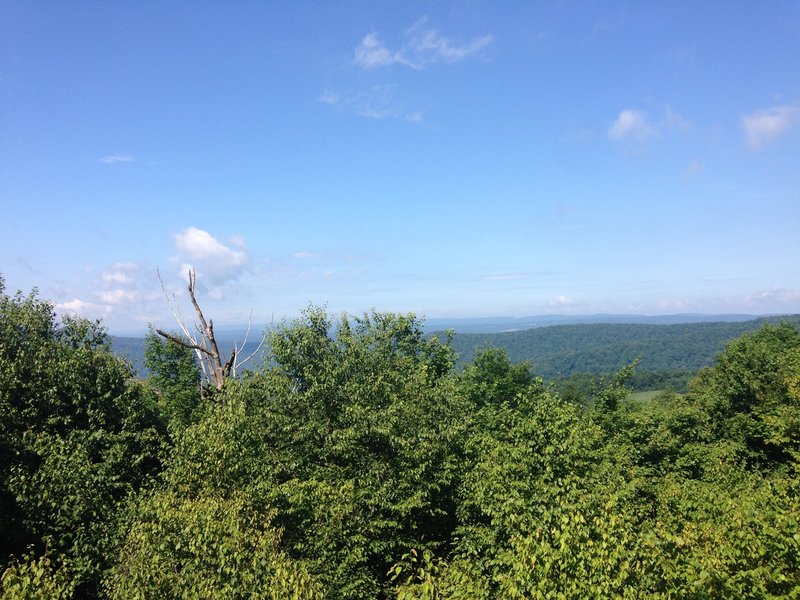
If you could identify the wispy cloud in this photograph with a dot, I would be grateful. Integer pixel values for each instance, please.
(119, 273)
(632, 124)
(427, 46)
(125, 286)
(421, 47)
(132, 291)
(765, 126)
(773, 298)
(113, 159)
(376, 102)
(124, 290)
(118, 296)
(371, 53)
(81, 308)
(418, 48)
(378, 113)
(635, 128)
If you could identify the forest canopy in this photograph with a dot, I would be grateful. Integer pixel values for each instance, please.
(357, 462)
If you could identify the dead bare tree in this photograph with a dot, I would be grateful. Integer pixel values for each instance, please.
(201, 339)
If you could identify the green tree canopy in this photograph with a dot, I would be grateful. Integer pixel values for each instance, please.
(77, 436)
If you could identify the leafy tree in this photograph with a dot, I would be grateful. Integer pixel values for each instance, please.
(77, 436)
(375, 428)
(349, 443)
(492, 378)
(205, 530)
(610, 392)
(733, 535)
(206, 546)
(174, 375)
(538, 516)
(751, 392)
(37, 579)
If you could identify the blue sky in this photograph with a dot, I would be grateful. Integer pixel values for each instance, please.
(451, 159)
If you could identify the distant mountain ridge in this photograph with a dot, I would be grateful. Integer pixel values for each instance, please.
(504, 324)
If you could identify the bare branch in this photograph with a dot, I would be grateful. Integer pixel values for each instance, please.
(236, 348)
(176, 313)
(254, 352)
(219, 371)
(174, 307)
(182, 342)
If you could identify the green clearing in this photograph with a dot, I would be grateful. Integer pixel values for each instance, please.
(647, 396)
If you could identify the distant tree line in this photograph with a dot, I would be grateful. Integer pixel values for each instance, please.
(576, 355)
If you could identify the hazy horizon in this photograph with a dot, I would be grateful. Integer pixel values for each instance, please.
(487, 324)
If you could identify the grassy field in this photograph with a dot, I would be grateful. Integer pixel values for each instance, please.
(645, 396)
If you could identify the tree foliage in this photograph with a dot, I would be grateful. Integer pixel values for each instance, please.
(358, 463)
(175, 378)
(77, 436)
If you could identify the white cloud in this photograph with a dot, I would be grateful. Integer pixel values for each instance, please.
(214, 261)
(633, 125)
(117, 276)
(122, 273)
(377, 113)
(764, 126)
(430, 47)
(238, 241)
(112, 159)
(371, 53)
(563, 301)
(118, 296)
(417, 48)
(81, 308)
(304, 254)
(422, 47)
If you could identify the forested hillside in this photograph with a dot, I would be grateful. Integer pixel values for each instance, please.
(359, 463)
(563, 350)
